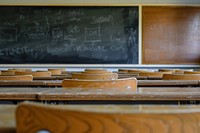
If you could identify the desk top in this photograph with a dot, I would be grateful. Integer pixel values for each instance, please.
(20, 93)
(145, 83)
(144, 93)
(141, 83)
(59, 93)
(8, 124)
(157, 83)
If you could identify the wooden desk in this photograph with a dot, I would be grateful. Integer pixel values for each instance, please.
(160, 83)
(8, 124)
(61, 94)
(143, 94)
(7, 118)
(22, 83)
(144, 83)
(61, 77)
(20, 93)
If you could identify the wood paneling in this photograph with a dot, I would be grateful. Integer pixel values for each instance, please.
(171, 35)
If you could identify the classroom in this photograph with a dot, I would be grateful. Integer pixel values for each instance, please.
(109, 66)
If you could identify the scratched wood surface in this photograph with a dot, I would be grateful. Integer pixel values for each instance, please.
(20, 93)
(32, 118)
(126, 84)
(7, 119)
(153, 83)
(144, 83)
(23, 83)
(143, 93)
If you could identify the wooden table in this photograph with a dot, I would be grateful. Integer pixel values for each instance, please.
(8, 124)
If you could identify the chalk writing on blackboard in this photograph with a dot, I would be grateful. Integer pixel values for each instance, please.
(68, 35)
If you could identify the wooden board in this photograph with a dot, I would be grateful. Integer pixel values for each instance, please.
(144, 83)
(158, 93)
(20, 93)
(170, 35)
(8, 124)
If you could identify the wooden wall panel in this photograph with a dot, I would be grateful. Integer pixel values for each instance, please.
(171, 35)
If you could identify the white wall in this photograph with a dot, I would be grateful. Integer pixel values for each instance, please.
(99, 1)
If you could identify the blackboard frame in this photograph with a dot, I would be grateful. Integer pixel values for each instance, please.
(80, 64)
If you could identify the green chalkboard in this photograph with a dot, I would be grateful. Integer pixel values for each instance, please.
(68, 35)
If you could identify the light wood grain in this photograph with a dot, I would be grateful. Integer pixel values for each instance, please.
(143, 83)
(192, 72)
(32, 118)
(7, 73)
(154, 74)
(157, 94)
(35, 74)
(7, 119)
(21, 93)
(181, 77)
(22, 83)
(123, 84)
(17, 78)
(55, 71)
(102, 76)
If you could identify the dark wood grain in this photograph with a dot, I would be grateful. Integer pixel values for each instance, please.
(159, 83)
(117, 119)
(8, 124)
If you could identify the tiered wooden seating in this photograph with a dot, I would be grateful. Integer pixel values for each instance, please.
(154, 74)
(7, 72)
(181, 77)
(11, 72)
(191, 72)
(95, 70)
(55, 71)
(181, 71)
(167, 70)
(35, 74)
(125, 84)
(137, 71)
(20, 69)
(17, 78)
(32, 118)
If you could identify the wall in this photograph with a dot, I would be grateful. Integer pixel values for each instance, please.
(102, 2)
